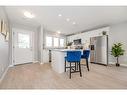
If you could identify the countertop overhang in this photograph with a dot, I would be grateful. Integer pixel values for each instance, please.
(65, 50)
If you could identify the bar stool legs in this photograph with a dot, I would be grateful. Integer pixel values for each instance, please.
(76, 68)
(87, 64)
(65, 66)
(80, 69)
(70, 70)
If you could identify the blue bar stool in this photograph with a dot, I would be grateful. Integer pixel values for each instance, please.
(85, 55)
(73, 57)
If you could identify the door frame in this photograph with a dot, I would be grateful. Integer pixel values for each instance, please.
(12, 44)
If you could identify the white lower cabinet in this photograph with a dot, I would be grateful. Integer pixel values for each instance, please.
(45, 56)
(58, 61)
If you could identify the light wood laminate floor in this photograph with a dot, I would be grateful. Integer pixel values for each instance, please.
(37, 76)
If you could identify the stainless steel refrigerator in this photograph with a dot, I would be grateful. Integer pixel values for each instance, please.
(99, 50)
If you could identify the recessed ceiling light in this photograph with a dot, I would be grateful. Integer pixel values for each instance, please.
(59, 15)
(67, 19)
(74, 23)
(58, 32)
(28, 14)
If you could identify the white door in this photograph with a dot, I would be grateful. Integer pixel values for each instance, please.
(23, 46)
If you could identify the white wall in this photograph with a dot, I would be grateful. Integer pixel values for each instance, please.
(118, 33)
(4, 54)
(40, 44)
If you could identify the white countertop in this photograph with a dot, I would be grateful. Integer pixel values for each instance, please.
(64, 50)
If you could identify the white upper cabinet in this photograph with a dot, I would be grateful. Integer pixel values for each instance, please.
(86, 35)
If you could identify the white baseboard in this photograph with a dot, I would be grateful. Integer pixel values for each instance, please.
(113, 63)
(41, 63)
(3, 75)
(123, 65)
(35, 61)
(11, 65)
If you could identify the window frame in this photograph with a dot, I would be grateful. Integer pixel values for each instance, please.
(53, 42)
(46, 43)
(63, 42)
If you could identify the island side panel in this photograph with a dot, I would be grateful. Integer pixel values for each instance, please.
(58, 61)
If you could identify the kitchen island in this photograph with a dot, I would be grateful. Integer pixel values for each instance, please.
(58, 60)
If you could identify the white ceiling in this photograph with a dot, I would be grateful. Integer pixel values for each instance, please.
(85, 17)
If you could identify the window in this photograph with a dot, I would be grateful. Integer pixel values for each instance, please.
(48, 41)
(23, 40)
(61, 42)
(56, 42)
